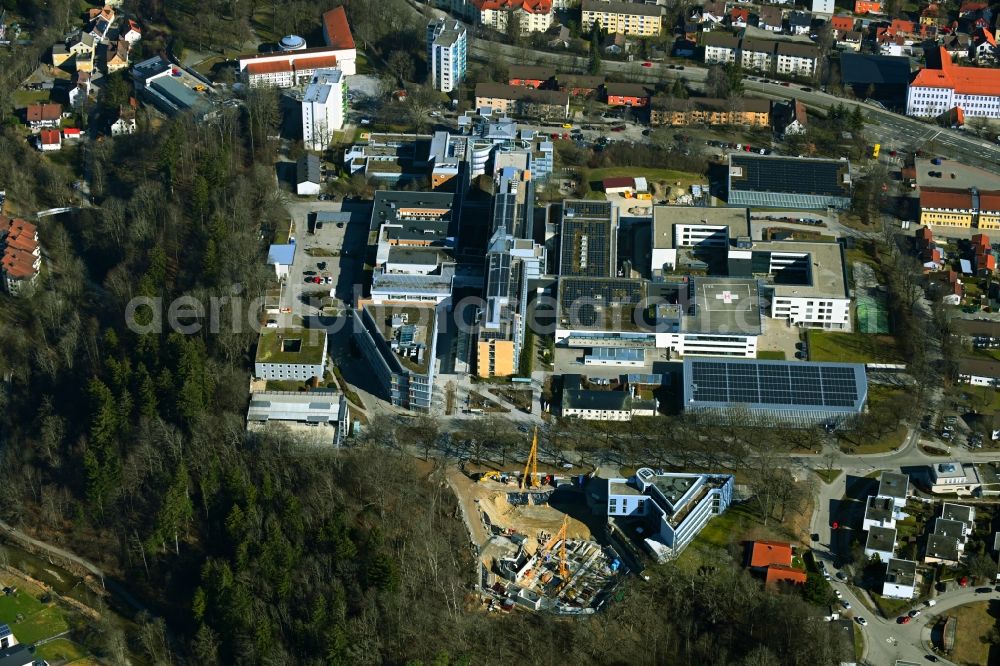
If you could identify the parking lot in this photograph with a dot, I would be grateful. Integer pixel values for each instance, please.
(332, 250)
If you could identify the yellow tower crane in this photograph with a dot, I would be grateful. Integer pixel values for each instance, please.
(530, 477)
(560, 538)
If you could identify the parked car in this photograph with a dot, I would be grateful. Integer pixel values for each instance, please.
(841, 576)
(903, 619)
(984, 590)
(914, 613)
(838, 594)
(862, 621)
(846, 604)
(647, 64)
(807, 90)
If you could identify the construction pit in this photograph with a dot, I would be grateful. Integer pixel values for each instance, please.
(537, 556)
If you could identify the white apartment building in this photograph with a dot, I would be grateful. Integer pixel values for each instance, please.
(323, 108)
(720, 47)
(881, 543)
(447, 53)
(823, 7)
(975, 90)
(678, 505)
(756, 54)
(796, 59)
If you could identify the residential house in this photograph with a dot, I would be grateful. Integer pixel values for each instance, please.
(790, 118)
(720, 47)
(951, 207)
(118, 57)
(125, 123)
(881, 543)
(308, 181)
(799, 23)
(22, 257)
(985, 45)
(841, 25)
(531, 15)
(49, 140)
(60, 55)
(626, 18)
(895, 487)
(796, 59)
(933, 15)
(879, 512)
(738, 17)
(769, 18)
(713, 13)
(773, 559)
(83, 48)
(522, 101)
(635, 95)
(900, 581)
(862, 7)
(131, 32)
(43, 115)
(746, 111)
(101, 22)
(951, 533)
(957, 44)
(530, 76)
(80, 93)
(850, 41)
(71, 134)
(972, 6)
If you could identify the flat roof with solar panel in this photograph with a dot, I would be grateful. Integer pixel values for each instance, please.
(588, 239)
(776, 389)
(788, 182)
(600, 304)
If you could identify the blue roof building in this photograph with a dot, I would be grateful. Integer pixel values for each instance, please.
(281, 257)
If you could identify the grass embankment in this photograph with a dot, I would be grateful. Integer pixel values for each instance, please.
(853, 348)
(972, 640)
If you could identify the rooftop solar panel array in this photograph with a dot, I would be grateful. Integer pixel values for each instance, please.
(588, 299)
(775, 384)
(792, 175)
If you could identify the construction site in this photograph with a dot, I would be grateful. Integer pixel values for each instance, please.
(541, 541)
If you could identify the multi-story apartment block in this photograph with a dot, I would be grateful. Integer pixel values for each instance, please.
(624, 18)
(522, 101)
(323, 108)
(938, 90)
(678, 506)
(796, 59)
(531, 15)
(947, 207)
(748, 111)
(447, 53)
(720, 47)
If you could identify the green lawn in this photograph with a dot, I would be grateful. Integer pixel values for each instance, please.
(853, 347)
(888, 442)
(61, 649)
(37, 621)
(771, 355)
(23, 98)
(891, 607)
(983, 398)
(282, 232)
(828, 476)
(972, 643)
